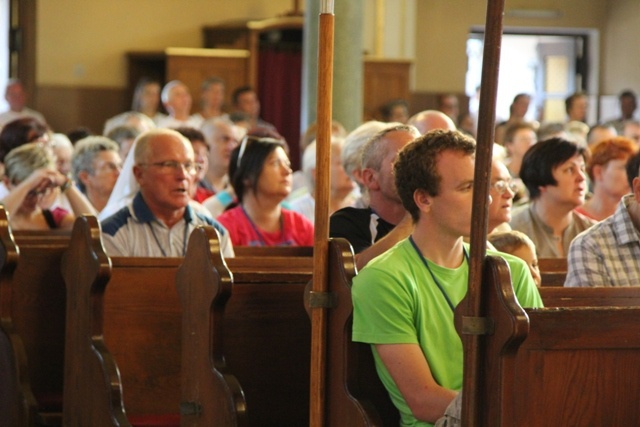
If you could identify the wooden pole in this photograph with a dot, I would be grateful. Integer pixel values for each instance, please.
(321, 242)
(486, 120)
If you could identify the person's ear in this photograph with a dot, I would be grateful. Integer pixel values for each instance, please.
(635, 188)
(597, 172)
(422, 200)
(6, 182)
(369, 179)
(137, 172)
(83, 177)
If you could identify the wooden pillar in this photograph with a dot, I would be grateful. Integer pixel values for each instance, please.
(348, 63)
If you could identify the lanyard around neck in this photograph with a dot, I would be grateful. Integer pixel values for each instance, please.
(259, 234)
(184, 239)
(435, 280)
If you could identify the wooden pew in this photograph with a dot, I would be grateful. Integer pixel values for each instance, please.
(355, 395)
(32, 309)
(128, 311)
(553, 271)
(246, 337)
(125, 310)
(572, 366)
(590, 297)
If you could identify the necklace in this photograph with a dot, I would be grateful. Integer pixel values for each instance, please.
(259, 234)
(184, 239)
(435, 280)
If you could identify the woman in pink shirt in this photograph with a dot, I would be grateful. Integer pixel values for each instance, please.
(261, 176)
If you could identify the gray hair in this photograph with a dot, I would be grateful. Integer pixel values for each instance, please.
(375, 149)
(166, 90)
(123, 133)
(26, 159)
(354, 143)
(85, 152)
(210, 127)
(309, 160)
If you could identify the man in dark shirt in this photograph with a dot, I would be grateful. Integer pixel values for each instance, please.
(363, 227)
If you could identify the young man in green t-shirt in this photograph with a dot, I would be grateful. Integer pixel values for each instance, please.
(404, 299)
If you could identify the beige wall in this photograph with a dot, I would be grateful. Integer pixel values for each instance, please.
(443, 26)
(621, 47)
(82, 42)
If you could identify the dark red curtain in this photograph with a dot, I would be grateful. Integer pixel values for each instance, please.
(279, 90)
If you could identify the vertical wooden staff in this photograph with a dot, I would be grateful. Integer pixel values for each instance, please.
(470, 307)
(321, 243)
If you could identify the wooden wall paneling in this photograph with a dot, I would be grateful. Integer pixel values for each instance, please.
(384, 80)
(192, 66)
(68, 107)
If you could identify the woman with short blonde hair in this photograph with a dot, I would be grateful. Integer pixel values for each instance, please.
(34, 183)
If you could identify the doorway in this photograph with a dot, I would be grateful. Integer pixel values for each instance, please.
(549, 67)
(5, 26)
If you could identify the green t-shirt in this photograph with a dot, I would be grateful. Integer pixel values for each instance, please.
(397, 302)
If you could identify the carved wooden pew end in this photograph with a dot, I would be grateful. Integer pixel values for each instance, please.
(125, 310)
(32, 308)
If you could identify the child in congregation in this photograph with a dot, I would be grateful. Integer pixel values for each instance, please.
(261, 177)
(518, 244)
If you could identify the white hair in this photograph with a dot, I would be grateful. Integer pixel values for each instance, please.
(354, 143)
(166, 90)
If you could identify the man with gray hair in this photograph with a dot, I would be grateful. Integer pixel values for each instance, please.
(159, 219)
(222, 136)
(95, 167)
(366, 228)
(351, 156)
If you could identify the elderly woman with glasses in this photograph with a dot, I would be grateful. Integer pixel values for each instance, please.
(32, 180)
(261, 176)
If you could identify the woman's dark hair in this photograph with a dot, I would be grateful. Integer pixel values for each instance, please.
(247, 162)
(542, 158)
(18, 132)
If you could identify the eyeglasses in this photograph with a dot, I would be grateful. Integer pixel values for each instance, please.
(172, 166)
(502, 186)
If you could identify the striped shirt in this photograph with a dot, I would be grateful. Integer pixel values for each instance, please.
(134, 231)
(608, 253)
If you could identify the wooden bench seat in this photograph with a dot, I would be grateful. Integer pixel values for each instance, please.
(247, 337)
(32, 311)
